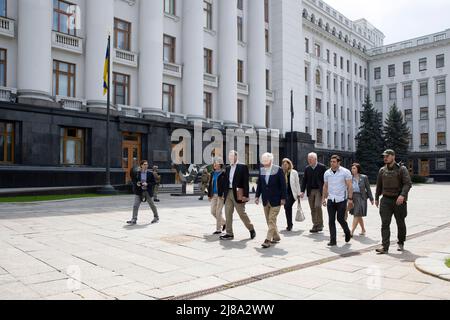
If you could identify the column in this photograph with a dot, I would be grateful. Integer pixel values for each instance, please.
(192, 91)
(34, 64)
(99, 23)
(151, 19)
(432, 130)
(227, 62)
(256, 63)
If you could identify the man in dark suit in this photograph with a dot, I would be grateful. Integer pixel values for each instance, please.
(236, 195)
(272, 186)
(313, 183)
(143, 183)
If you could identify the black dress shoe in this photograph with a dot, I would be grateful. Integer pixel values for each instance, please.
(313, 230)
(227, 237)
(289, 228)
(253, 234)
(382, 251)
(332, 244)
(348, 237)
(131, 222)
(217, 232)
(156, 200)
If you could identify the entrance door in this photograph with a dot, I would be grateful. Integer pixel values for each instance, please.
(425, 168)
(131, 153)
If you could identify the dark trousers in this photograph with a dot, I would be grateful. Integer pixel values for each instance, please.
(288, 209)
(389, 208)
(337, 209)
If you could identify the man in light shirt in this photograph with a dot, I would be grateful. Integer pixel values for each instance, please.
(337, 194)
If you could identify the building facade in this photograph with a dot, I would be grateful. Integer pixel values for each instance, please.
(227, 64)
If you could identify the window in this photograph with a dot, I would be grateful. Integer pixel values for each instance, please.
(318, 78)
(240, 4)
(306, 74)
(334, 84)
(424, 113)
(267, 79)
(348, 66)
(335, 111)
(306, 129)
(342, 113)
(318, 105)
(207, 15)
(335, 140)
(423, 64)
(342, 63)
(410, 141)
(441, 141)
(207, 104)
(328, 82)
(207, 60)
(267, 40)
(377, 73)
(64, 16)
(240, 111)
(266, 11)
(169, 49)
(424, 140)
(441, 164)
(306, 45)
(360, 71)
(407, 90)
(440, 86)
(335, 59)
(240, 29)
(365, 74)
(267, 116)
(440, 61)
(3, 65)
(63, 79)
(408, 115)
(423, 88)
(240, 73)
(317, 50)
(122, 32)
(306, 102)
(319, 138)
(391, 70)
(168, 97)
(378, 96)
(441, 113)
(72, 146)
(392, 93)
(169, 7)
(356, 69)
(6, 142)
(348, 114)
(121, 85)
(328, 109)
(407, 67)
(328, 56)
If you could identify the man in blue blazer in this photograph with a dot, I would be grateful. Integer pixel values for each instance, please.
(272, 186)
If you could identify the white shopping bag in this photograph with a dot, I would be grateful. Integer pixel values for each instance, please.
(300, 217)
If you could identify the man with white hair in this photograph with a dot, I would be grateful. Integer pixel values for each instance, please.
(313, 183)
(272, 187)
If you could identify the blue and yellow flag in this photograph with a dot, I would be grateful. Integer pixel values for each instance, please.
(106, 71)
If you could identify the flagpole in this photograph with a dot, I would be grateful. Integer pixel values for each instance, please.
(292, 126)
(108, 188)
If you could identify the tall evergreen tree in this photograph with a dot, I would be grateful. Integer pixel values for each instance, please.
(370, 140)
(396, 133)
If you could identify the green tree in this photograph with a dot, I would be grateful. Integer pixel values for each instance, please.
(370, 140)
(396, 134)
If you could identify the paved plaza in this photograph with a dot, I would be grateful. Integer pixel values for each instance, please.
(82, 249)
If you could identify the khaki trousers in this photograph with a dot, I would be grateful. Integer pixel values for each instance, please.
(217, 204)
(315, 203)
(271, 214)
(230, 205)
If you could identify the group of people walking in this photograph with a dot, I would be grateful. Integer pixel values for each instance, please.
(339, 190)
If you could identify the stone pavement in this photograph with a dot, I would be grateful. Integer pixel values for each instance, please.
(82, 249)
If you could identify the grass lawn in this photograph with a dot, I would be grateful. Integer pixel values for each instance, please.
(447, 263)
(49, 197)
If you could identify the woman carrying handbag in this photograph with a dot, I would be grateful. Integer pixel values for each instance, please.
(293, 191)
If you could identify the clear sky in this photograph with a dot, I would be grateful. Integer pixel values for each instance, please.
(398, 19)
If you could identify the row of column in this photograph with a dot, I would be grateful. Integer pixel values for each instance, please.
(35, 55)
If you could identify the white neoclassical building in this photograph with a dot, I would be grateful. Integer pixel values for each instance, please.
(228, 63)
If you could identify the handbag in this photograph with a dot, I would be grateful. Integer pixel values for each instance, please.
(300, 217)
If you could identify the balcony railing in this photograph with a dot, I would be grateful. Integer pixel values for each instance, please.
(126, 57)
(242, 88)
(173, 69)
(7, 27)
(211, 80)
(70, 103)
(67, 42)
(129, 111)
(7, 94)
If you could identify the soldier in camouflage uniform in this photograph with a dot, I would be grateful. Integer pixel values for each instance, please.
(158, 183)
(393, 184)
(204, 182)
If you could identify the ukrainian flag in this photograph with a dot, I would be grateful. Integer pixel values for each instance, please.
(106, 70)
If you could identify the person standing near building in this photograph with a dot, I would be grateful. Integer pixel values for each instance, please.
(236, 195)
(394, 184)
(204, 181)
(361, 193)
(157, 184)
(293, 190)
(337, 194)
(312, 183)
(215, 194)
(272, 188)
(143, 183)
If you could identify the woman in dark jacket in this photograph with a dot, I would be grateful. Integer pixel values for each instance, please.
(215, 194)
(361, 193)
